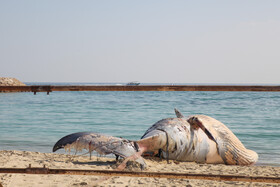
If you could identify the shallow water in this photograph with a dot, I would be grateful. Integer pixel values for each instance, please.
(35, 122)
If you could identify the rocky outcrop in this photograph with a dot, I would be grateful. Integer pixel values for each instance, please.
(8, 81)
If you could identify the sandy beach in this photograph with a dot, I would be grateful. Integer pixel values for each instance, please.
(22, 159)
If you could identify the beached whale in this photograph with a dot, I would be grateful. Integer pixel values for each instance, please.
(197, 138)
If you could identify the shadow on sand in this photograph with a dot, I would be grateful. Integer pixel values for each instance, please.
(96, 163)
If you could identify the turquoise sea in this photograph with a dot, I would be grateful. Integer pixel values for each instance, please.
(35, 122)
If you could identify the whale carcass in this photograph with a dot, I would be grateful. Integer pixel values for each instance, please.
(198, 138)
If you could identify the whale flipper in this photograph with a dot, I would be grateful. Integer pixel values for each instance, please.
(195, 123)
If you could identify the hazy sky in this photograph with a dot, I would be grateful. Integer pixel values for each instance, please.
(152, 41)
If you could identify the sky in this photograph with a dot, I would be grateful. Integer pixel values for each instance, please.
(150, 41)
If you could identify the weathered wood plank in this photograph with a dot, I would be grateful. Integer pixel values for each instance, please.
(110, 173)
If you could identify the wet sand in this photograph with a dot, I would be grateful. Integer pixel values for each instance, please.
(22, 159)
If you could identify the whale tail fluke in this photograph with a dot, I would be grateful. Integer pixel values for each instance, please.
(102, 144)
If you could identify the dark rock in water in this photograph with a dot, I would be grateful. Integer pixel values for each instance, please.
(8, 81)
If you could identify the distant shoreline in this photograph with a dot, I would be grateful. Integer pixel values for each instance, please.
(51, 88)
(146, 84)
